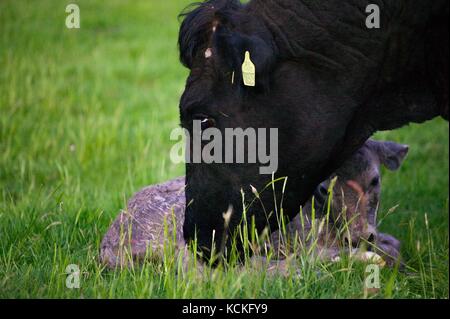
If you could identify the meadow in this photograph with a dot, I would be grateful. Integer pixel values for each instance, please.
(85, 118)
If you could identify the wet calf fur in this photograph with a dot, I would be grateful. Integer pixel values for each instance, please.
(354, 200)
(139, 232)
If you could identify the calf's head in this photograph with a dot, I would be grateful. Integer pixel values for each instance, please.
(357, 189)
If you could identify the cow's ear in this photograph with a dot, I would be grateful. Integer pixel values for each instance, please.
(390, 154)
(232, 46)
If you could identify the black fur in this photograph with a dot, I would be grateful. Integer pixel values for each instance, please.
(323, 79)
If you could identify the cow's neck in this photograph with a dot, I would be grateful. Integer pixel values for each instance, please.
(328, 33)
(382, 70)
(332, 36)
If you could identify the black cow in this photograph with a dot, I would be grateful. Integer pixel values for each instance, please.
(323, 78)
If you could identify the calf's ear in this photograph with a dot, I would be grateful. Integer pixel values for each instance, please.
(391, 154)
(232, 46)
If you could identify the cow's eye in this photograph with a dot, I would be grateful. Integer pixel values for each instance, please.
(205, 121)
(375, 181)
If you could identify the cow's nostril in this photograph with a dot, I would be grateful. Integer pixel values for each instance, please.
(371, 238)
(323, 190)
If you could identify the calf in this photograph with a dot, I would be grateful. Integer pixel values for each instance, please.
(158, 211)
(351, 220)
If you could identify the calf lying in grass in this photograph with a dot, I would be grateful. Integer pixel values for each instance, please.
(345, 221)
(346, 208)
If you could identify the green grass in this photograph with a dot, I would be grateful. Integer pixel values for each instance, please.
(85, 117)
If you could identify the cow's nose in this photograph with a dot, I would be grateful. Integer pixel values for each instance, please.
(322, 190)
(321, 193)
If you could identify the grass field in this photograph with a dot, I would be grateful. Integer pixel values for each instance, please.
(85, 117)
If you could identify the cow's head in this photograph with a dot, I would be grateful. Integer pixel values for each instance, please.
(310, 111)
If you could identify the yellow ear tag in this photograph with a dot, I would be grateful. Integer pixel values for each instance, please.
(248, 71)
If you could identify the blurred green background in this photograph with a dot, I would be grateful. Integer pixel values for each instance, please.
(85, 118)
